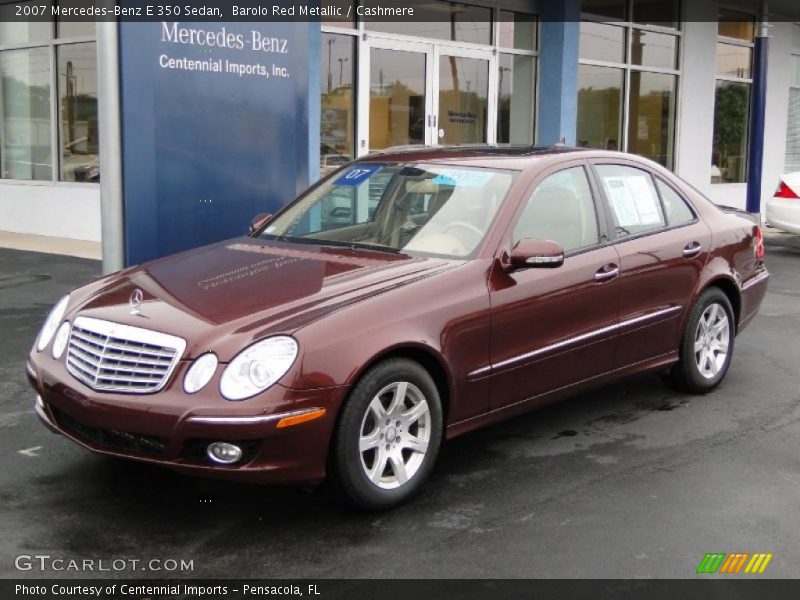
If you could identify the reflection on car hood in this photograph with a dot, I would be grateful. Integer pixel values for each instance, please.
(225, 295)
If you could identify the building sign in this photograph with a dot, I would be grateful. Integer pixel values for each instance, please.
(215, 128)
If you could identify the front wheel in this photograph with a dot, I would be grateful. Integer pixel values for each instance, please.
(707, 344)
(388, 435)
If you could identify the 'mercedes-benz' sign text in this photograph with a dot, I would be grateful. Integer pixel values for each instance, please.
(222, 38)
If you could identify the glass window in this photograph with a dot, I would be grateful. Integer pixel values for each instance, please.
(439, 20)
(515, 87)
(337, 106)
(426, 208)
(77, 106)
(463, 100)
(678, 212)
(611, 9)
(651, 121)
(731, 117)
(25, 148)
(633, 200)
(733, 60)
(733, 24)
(654, 49)
(516, 30)
(602, 42)
(599, 107)
(562, 210)
(663, 13)
(75, 29)
(23, 32)
(396, 98)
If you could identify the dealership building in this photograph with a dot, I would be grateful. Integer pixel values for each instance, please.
(151, 137)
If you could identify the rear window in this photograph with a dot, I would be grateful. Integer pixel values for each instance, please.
(678, 211)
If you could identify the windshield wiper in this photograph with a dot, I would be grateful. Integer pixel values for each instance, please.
(337, 244)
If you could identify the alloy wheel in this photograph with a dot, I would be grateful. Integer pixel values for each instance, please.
(711, 340)
(394, 435)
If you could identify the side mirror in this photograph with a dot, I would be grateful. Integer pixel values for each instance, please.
(259, 221)
(528, 253)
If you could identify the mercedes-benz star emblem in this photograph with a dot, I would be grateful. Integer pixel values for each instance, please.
(137, 297)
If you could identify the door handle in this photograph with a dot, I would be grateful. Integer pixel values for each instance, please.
(607, 272)
(692, 249)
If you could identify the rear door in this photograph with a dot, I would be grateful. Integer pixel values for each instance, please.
(552, 327)
(662, 247)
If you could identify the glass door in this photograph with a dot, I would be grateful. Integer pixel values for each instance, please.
(465, 104)
(398, 97)
(425, 94)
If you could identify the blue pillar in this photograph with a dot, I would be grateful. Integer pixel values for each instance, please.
(558, 71)
(758, 110)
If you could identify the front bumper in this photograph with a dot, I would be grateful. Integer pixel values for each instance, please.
(173, 429)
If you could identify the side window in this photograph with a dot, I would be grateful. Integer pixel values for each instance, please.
(561, 209)
(633, 200)
(678, 212)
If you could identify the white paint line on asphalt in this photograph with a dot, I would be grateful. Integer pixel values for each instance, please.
(30, 452)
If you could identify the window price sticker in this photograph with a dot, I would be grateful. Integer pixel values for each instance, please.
(463, 178)
(357, 175)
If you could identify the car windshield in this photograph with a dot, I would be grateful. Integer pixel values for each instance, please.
(425, 208)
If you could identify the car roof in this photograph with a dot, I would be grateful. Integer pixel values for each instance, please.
(501, 156)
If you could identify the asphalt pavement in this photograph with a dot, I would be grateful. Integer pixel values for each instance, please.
(631, 480)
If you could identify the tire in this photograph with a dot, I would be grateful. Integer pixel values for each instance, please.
(368, 446)
(705, 355)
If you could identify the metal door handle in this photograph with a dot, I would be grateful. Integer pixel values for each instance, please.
(605, 274)
(692, 249)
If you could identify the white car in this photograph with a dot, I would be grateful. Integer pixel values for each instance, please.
(783, 209)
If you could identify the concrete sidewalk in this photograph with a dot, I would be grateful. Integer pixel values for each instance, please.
(51, 245)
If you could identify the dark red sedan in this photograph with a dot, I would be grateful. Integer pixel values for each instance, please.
(408, 297)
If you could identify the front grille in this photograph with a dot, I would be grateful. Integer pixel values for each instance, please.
(109, 356)
(112, 439)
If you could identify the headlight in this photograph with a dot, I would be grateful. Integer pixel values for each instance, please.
(51, 324)
(62, 337)
(200, 373)
(258, 367)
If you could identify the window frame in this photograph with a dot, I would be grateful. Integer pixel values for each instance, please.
(52, 45)
(627, 67)
(362, 34)
(721, 39)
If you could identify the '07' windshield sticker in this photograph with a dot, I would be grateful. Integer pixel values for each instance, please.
(357, 175)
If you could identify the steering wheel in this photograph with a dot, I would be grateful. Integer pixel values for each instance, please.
(469, 227)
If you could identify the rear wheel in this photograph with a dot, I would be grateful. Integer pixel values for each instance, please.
(388, 436)
(707, 344)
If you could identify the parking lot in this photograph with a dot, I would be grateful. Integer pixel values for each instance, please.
(632, 480)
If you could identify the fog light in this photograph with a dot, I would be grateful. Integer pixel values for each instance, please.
(224, 453)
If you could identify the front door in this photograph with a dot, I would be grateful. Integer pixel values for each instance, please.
(553, 327)
(423, 94)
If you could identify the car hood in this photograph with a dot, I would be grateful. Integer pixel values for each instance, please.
(226, 295)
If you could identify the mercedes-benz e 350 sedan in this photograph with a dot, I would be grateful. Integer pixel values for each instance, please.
(409, 297)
